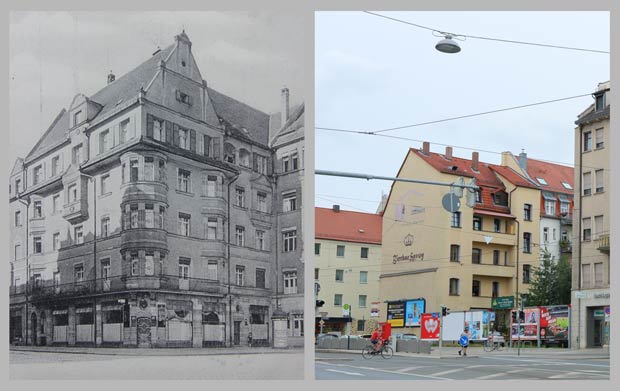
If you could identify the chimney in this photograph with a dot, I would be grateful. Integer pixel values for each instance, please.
(523, 160)
(336, 208)
(285, 106)
(111, 77)
(426, 148)
(449, 153)
(474, 161)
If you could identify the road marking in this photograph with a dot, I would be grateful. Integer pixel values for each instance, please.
(447, 372)
(395, 372)
(567, 374)
(500, 374)
(345, 372)
(539, 361)
(408, 369)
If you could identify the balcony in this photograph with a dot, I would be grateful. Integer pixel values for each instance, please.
(566, 219)
(214, 205)
(500, 238)
(141, 238)
(260, 218)
(566, 246)
(490, 270)
(144, 190)
(76, 211)
(47, 290)
(603, 244)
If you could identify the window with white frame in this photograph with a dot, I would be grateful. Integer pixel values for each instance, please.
(18, 218)
(290, 240)
(298, 325)
(290, 282)
(211, 185)
(38, 209)
(78, 272)
(149, 216)
(289, 201)
(105, 226)
(158, 130)
(56, 241)
(105, 269)
(550, 207)
(104, 141)
(587, 141)
(37, 245)
(149, 263)
(260, 240)
(587, 183)
(454, 287)
(76, 154)
(240, 236)
(261, 200)
(212, 270)
(240, 197)
(184, 180)
(105, 184)
(261, 164)
(149, 168)
(55, 165)
(600, 180)
(184, 268)
(587, 228)
(184, 224)
(184, 138)
(240, 275)
(564, 208)
(211, 228)
(78, 235)
(456, 220)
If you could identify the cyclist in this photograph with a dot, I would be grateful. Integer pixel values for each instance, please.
(376, 339)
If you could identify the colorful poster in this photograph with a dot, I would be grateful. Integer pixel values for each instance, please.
(413, 312)
(554, 323)
(473, 320)
(430, 326)
(528, 332)
(396, 313)
(527, 326)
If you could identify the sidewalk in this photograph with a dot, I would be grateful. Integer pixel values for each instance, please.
(472, 352)
(156, 351)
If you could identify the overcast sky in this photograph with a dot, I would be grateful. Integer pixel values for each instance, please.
(55, 55)
(372, 73)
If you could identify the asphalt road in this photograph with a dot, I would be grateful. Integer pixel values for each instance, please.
(71, 366)
(339, 366)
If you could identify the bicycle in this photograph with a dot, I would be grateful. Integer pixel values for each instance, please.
(494, 343)
(385, 351)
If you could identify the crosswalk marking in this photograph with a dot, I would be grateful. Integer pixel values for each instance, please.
(447, 372)
(408, 369)
(500, 374)
(345, 372)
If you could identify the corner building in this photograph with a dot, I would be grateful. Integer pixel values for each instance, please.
(149, 215)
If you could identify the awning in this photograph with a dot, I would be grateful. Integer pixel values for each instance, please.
(490, 213)
(548, 196)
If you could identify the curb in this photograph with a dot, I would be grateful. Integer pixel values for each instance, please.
(159, 353)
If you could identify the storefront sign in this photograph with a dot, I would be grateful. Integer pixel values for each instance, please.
(503, 302)
(396, 313)
(430, 326)
(599, 313)
(407, 258)
(601, 295)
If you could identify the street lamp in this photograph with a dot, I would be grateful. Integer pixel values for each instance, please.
(448, 45)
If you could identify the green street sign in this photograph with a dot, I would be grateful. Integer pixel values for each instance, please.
(346, 306)
(503, 303)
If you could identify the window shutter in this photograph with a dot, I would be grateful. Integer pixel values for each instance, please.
(207, 146)
(175, 130)
(169, 133)
(216, 148)
(149, 126)
(192, 140)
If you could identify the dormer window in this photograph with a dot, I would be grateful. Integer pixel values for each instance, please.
(184, 98)
(500, 198)
(599, 102)
(567, 186)
(542, 181)
(77, 117)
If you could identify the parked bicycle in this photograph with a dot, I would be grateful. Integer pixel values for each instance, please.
(494, 342)
(385, 351)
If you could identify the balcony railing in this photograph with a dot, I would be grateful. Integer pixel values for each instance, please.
(42, 290)
(603, 244)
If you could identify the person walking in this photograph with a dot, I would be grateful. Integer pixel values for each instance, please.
(464, 341)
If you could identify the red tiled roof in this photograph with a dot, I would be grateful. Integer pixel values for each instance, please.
(347, 226)
(553, 174)
(512, 176)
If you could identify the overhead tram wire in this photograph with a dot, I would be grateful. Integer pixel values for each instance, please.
(488, 38)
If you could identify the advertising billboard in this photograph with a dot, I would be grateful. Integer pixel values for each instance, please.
(413, 312)
(554, 324)
(396, 313)
(430, 326)
(525, 328)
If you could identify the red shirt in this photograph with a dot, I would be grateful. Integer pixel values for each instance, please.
(375, 335)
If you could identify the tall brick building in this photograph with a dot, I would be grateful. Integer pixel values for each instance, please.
(151, 214)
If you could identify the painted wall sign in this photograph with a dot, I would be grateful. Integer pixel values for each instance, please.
(407, 257)
(408, 240)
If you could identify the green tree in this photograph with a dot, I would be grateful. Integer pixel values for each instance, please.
(551, 282)
(564, 276)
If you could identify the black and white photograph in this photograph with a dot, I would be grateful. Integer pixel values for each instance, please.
(156, 164)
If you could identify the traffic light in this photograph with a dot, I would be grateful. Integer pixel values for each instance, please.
(319, 303)
(445, 311)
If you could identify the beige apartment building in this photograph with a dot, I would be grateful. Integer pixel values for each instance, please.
(347, 258)
(463, 259)
(591, 277)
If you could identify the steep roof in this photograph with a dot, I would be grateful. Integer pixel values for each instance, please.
(292, 129)
(240, 115)
(553, 174)
(17, 166)
(347, 226)
(511, 175)
(54, 136)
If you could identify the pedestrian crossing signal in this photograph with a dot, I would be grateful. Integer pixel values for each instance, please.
(445, 311)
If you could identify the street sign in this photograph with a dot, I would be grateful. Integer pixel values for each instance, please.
(321, 322)
(503, 302)
(464, 340)
(451, 202)
(580, 295)
(599, 313)
(346, 310)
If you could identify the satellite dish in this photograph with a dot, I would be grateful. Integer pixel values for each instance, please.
(451, 202)
(457, 189)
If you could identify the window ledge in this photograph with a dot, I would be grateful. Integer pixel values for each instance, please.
(189, 194)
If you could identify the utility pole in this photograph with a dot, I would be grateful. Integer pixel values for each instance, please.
(387, 178)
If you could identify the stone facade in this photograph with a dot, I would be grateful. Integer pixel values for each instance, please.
(150, 214)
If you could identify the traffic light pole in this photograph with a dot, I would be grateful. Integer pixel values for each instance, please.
(440, 329)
